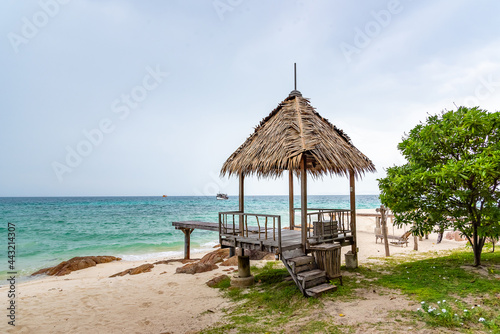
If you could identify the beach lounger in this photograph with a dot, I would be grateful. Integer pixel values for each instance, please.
(396, 241)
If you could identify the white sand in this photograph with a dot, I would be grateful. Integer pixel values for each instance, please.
(88, 301)
(369, 249)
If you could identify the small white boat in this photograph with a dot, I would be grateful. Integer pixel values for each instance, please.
(221, 196)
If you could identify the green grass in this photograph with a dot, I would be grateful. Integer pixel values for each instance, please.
(451, 279)
(437, 278)
(441, 282)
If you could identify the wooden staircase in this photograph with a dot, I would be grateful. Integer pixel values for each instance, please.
(311, 281)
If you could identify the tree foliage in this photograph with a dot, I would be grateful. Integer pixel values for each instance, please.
(451, 178)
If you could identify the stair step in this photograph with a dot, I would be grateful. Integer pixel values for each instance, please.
(305, 267)
(319, 289)
(301, 260)
(314, 282)
(311, 274)
(292, 253)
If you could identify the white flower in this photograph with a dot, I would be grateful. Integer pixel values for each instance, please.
(456, 315)
(443, 310)
(482, 319)
(472, 307)
(422, 303)
(465, 310)
(439, 302)
(444, 300)
(418, 309)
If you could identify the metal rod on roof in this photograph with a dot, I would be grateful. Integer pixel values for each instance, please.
(295, 75)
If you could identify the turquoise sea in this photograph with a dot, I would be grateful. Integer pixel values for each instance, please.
(54, 229)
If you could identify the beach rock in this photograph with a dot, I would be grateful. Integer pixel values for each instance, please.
(232, 261)
(259, 255)
(145, 268)
(211, 283)
(195, 268)
(74, 264)
(183, 261)
(216, 256)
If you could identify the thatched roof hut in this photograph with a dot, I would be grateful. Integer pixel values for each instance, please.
(293, 130)
(296, 138)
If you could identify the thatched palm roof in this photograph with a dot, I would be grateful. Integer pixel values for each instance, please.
(293, 129)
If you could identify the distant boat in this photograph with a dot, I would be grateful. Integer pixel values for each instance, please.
(164, 195)
(221, 196)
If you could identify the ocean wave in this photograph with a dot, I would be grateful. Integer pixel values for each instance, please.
(140, 257)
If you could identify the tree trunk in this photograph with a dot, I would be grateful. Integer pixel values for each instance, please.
(477, 255)
(477, 246)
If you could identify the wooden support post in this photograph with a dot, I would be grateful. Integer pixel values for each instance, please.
(303, 201)
(290, 199)
(243, 266)
(187, 241)
(241, 208)
(351, 257)
(352, 200)
(241, 199)
(382, 211)
(415, 241)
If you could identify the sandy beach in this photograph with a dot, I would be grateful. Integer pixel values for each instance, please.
(160, 301)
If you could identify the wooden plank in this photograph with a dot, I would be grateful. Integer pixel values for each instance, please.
(313, 282)
(291, 211)
(303, 200)
(241, 200)
(301, 260)
(312, 274)
(324, 246)
(305, 267)
(196, 224)
(352, 201)
(319, 289)
(372, 215)
(208, 226)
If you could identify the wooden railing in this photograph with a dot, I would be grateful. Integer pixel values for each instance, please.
(339, 218)
(256, 226)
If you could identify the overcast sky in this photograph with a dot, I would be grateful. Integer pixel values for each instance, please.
(116, 97)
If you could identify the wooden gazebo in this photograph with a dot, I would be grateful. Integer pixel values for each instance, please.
(293, 138)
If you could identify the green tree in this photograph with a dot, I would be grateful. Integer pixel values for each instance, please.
(451, 178)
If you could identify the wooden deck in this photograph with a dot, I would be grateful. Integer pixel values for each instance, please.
(290, 239)
(310, 273)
